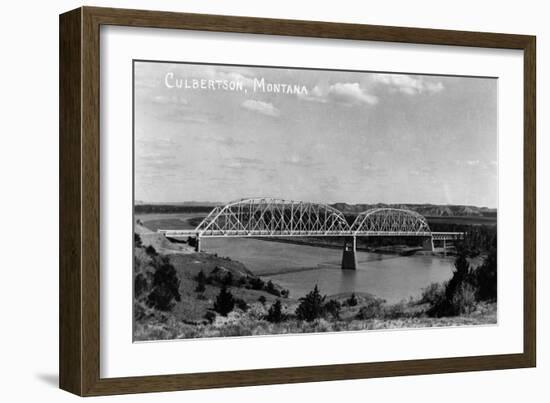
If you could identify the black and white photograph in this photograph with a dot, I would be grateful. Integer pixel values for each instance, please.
(271, 200)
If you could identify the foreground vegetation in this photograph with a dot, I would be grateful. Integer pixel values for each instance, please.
(203, 295)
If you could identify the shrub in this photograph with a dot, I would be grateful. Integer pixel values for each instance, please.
(241, 304)
(262, 299)
(165, 287)
(137, 241)
(459, 295)
(397, 311)
(285, 293)
(224, 302)
(256, 283)
(275, 313)
(151, 251)
(352, 300)
(200, 288)
(486, 278)
(192, 241)
(433, 294)
(332, 307)
(201, 282)
(371, 310)
(140, 285)
(311, 306)
(228, 279)
(464, 299)
(210, 316)
(270, 288)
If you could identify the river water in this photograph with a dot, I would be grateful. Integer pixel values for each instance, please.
(299, 268)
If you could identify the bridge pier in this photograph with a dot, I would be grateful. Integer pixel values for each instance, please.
(349, 260)
(198, 243)
(428, 244)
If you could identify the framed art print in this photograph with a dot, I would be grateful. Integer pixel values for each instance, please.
(249, 201)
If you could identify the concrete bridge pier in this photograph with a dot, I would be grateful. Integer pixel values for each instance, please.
(428, 244)
(197, 243)
(349, 260)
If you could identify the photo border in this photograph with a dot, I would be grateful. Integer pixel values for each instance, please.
(79, 200)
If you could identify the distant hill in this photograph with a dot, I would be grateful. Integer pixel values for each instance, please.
(427, 210)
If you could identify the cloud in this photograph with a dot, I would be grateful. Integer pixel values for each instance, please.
(343, 93)
(243, 162)
(186, 115)
(265, 108)
(351, 93)
(317, 95)
(299, 161)
(169, 100)
(407, 84)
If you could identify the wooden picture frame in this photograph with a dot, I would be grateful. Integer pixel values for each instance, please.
(79, 280)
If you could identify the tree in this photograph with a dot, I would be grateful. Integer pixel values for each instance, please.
(461, 274)
(228, 279)
(270, 288)
(457, 298)
(311, 306)
(352, 300)
(486, 278)
(201, 282)
(151, 251)
(256, 283)
(165, 287)
(137, 241)
(275, 312)
(241, 304)
(262, 299)
(332, 307)
(224, 302)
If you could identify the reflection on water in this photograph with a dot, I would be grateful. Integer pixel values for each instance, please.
(299, 267)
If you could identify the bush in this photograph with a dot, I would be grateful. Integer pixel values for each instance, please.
(311, 306)
(201, 282)
(241, 304)
(137, 241)
(332, 307)
(464, 300)
(459, 295)
(371, 310)
(270, 288)
(151, 251)
(486, 278)
(224, 302)
(262, 299)
(192, 241)
(165, 287)
(228, 279)
(275, 313)
(256, 283)
(352, 300)
(397, 311)
(210, 316)
(140, 284)
(434, 294)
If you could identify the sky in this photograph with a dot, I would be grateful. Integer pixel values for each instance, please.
(219, 133)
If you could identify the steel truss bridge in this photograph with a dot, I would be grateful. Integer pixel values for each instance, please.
(266, 217)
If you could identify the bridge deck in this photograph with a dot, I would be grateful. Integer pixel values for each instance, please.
(256, 234)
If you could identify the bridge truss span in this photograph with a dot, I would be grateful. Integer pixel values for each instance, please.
(273, 217)
(387, 221)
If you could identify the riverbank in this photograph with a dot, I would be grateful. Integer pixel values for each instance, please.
(252, 323)
(254, 296)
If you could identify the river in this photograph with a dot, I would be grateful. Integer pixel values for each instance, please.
(299, 268)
